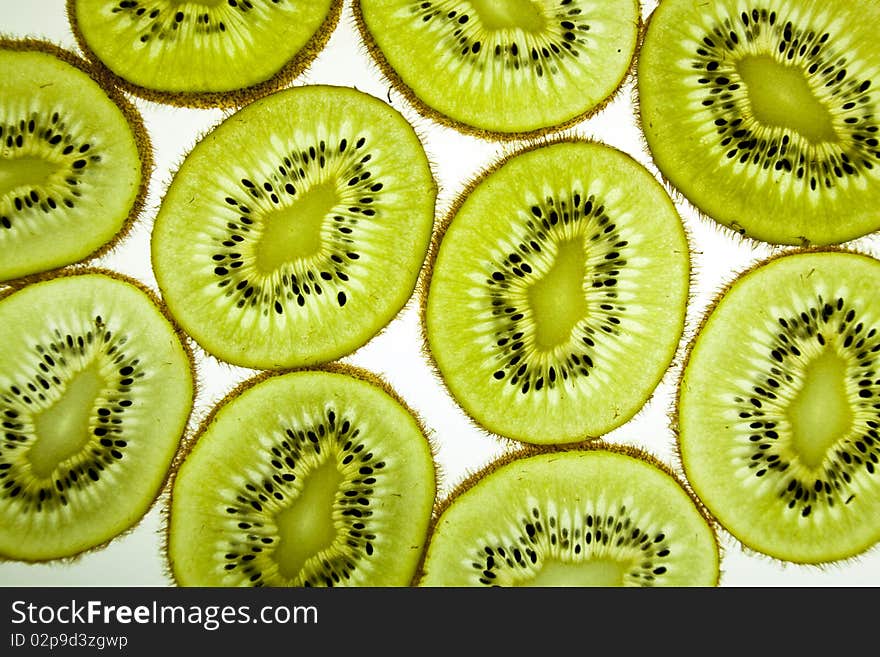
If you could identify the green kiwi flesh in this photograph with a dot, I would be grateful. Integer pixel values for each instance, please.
(764, 113)
(96, 389)
(74, 160)
(502, 68)
(557, 293)
(600, 515)
(202, 54)
(779, 407)
(296, 229)
(304, 478)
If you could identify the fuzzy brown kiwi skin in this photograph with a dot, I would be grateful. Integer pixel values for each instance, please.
(184, 340)
(429, 113)
(526, 450)
(673, 415)
(231, 99)
(133, 118)
(424, 283)
(336, 367)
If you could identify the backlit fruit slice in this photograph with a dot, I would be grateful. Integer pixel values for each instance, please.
(763, 114)
(296, 230)
(779, 407)
(203, 53)
(503, 67)
(74, 160)
(557, 296)
(307, 478)
(96, 389)
(602, 516)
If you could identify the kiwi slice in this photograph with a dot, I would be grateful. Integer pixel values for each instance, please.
(596, 515)
(779, 407)
(96, 388)
(502, 69)
(304, 478)
(75, 160)
(296, 230)
(557, 292)
(203, 54)
(763, 113)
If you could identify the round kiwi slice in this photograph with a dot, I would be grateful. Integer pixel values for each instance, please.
(556, 297)
(763, 113)
(779, 407)
(598, 515)
(296, 230)
(75, 160)
(304, 478)
(203, 54)
(96, 388)
(506, 68)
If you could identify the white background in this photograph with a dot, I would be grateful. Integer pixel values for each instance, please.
(135, 559)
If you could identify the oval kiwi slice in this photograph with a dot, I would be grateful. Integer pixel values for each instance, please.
(96, 389)
(202, 54)
(599, 515)
(557, 295)
(502, 68)
(305, 478)
(74, 160)
(764, 114)
(779, 407)
(296, 230)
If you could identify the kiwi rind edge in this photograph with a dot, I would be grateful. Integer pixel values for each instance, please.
(233, 98)
(387, 72)
(733, 231)
(133, 118)
(335, 367)
(673, 414)
(524, 451)
(419, 132)
(424, 283)
(164, 488)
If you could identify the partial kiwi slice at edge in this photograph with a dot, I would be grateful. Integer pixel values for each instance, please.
(75, 160)
(779, 407)
(555, 296)
(502, 69)
(198, 54)
(318, 477)
(764, 114)
(593, 515)
(96, 389)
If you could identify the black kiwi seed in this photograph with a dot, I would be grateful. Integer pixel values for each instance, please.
(51, 366)
(553, 63)
(74, 151)
(778, 408)
(291, 174)
(549, 218)
(312, 235)
(539, 537)
(96, 392)
(332, 484)
(51, 138)
(857, 148)
(245, 48)
(861, 452)
(289, 466)
(572, 518)
(557, 44)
